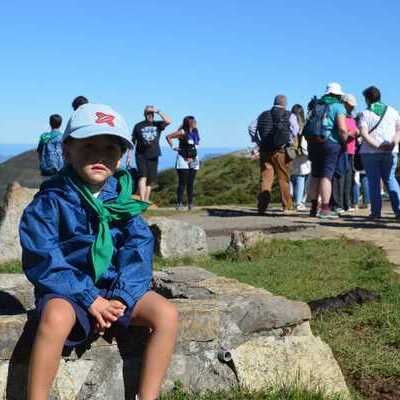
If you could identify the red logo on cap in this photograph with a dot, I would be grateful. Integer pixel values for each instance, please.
(105, 118)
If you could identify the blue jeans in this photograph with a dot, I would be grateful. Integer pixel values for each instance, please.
(361, 186)
(382, 166)
(298, 182)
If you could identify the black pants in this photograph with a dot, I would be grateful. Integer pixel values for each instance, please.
(185, 180)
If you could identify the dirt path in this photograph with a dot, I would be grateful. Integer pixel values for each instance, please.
(220, 222)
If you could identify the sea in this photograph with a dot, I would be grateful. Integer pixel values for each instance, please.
(167, 159)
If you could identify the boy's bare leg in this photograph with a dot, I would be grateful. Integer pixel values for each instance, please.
(57, 320)
(161, 316)
(142, 188)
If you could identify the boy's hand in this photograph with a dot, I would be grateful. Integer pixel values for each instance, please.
(105, 312)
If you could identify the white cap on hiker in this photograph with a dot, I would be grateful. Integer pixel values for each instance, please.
(334, 88)
(349, 99)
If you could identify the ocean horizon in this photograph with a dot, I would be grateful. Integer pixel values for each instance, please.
(167, 159)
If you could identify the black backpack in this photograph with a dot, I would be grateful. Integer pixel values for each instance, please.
(279, 135)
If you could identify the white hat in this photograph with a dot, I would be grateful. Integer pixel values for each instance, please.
(94, 120)
(334, 88)
(349, 99)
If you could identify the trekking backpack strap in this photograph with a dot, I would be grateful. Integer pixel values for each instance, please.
(379, 122)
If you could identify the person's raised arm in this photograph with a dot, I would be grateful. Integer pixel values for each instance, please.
(164, 117)
(174, 135)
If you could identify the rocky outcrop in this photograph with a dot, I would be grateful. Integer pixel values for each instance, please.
(16, 199)
(241, 240)
(226, 329)
(176, 239)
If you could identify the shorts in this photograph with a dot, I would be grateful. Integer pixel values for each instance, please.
(83, 330)
(147, 168)
(323, 157)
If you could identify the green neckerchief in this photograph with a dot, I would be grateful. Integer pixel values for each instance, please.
(48, 136)
(121, 208)
(378, 108)
(330, 99)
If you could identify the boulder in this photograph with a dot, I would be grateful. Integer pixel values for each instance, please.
(16, 294)
(176, 239)
(16, 199)
(305, 361)
(241, 240)
(219, 317)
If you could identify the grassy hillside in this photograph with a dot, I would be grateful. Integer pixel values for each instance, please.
(23, 168)
(227, 179)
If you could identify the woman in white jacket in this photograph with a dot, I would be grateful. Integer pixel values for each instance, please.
(301, 166)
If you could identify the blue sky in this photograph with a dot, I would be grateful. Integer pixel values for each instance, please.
(222, 61)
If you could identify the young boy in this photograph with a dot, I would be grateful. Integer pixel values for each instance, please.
(89, 253)
(49, 149)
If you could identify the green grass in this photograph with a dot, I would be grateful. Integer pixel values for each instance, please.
(365, 339)
(11, 267)
(282, 393)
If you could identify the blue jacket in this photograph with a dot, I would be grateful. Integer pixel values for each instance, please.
(56, 232)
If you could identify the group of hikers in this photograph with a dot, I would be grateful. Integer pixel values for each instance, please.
(89, 253)
(146, 139)
(328, 156)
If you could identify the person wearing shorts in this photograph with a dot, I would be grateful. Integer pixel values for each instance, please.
(88, 253)
(324, 154)
(146, 137)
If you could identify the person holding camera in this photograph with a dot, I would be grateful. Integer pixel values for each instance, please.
(187, 160)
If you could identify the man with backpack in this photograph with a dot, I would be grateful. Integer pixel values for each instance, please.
(273, 136)
(146, 137)
(326, 133)
(50, 153)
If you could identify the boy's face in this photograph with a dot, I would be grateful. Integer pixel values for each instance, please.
(94, 159)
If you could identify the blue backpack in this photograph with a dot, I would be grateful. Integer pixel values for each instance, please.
(315, 128)
(50, 154)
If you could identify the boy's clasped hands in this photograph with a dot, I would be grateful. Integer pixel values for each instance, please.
(106, 312)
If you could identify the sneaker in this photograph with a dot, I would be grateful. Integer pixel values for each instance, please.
(374, 217)
(301, 207)
(351, 209)
(180, 207)
(328, 214)
(190, 207)
(338, 211)
(314, 213)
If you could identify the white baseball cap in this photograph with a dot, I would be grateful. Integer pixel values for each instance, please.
(349, 99)
(94, 120)
(334, 88)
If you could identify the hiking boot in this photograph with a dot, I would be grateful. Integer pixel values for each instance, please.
(328, 214)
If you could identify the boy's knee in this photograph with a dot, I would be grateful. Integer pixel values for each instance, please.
(171, 315)
(58, 318)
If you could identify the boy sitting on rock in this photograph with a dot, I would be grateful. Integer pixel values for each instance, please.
(88, 253)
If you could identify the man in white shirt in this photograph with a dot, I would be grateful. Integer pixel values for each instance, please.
(380, 129)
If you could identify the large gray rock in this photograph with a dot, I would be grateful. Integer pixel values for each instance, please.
(217, 315)
(16, 199)
(299, 360)
(175, 239)
(16, 294)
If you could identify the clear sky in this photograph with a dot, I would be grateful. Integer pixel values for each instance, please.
(222, 61)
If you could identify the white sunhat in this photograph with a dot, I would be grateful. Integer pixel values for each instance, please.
(94, 120)
(349, 99)
(334, 88)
